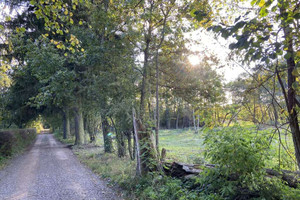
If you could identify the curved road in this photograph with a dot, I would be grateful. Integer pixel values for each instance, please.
(50, 171)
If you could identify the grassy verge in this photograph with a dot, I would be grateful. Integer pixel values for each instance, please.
(59, 137)
(120, 172)
(14, 142)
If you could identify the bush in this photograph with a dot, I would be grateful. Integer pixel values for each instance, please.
(237, 150)
(240, 156)
(13, 141)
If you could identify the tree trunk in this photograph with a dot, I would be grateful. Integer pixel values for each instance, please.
(291, 94)
(148, 154)
(91, 127)
(254, 109)
(147, 150)
(168, 114)
(134, 153)
(198, 123)
(194, 122)
(108, 147)
(68, 130)
(177, 118)
(121, 144)
(64, 125)
(79, 129)
(129, 144)
(120, 141)
(137, 145)
(157, 104)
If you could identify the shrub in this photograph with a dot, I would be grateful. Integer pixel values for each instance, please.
(13, 141)
(240, 155)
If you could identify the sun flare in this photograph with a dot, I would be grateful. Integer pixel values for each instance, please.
(194, 59)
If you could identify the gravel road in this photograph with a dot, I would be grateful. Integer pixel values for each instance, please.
(51, 171)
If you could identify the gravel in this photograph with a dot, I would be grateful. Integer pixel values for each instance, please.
(49, 170)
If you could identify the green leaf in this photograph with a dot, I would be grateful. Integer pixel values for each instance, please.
(287, 55)
(22, 29)
(253, 2)
(295, 72)
(261, 3)
(295, 85)
(263, 12)
(7, 18)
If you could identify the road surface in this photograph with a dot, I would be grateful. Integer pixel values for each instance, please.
(50, 171)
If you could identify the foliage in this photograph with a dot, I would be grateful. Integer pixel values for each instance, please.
(37, 124)
(84, 58)
(240, 156)
(59, 135)
(13, 142)
(267, 34)
(235, 145)
(212, 184)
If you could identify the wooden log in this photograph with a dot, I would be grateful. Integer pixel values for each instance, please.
(291, 178)
(183, 170)
(179, 170)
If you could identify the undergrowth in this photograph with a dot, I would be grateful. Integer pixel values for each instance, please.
(240, 156)
(13, 142)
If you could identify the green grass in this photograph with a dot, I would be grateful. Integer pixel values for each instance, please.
(182, 145)
(107, 165)
(59, 136)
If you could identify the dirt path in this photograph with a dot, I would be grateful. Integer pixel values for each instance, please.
(51, 171)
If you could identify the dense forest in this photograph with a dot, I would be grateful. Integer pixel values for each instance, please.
(119, 74)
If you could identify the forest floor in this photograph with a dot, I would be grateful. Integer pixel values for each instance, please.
(49, 170)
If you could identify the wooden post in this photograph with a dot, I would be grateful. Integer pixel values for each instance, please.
(138, 159)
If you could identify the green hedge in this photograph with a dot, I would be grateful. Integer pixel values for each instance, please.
(14, 141)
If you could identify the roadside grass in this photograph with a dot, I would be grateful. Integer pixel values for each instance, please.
(4, 161)
(117, 171)
(108, 166)
(58, 135)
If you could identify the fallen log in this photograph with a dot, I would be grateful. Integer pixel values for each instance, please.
(183, 170)
(179, 170)
(291, 178)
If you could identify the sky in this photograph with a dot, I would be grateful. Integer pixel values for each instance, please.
(207, 42)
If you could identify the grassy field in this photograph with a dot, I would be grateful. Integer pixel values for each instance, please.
(182, 145)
